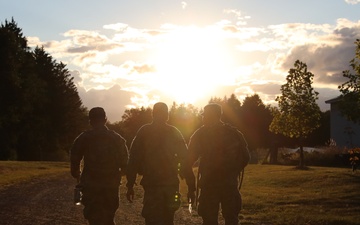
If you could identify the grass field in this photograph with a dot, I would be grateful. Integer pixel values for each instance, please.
(272, 194)
(285, 195)
(12, 172)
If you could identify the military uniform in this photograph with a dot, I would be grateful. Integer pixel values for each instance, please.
(223, 154)
(158, 153)
(104, 153)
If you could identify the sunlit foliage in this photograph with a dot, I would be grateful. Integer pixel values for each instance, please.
(350, 90)
(298, 114)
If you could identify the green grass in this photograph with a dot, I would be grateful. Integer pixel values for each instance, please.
(285, 195)
(271, 194)
(12, 172)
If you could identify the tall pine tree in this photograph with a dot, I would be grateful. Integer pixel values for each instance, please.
(41, 111)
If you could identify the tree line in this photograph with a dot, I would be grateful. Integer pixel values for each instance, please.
(42, 113)
(251, 116)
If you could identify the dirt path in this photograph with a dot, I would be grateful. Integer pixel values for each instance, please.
(49, 201)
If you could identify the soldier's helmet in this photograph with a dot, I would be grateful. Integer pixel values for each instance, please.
(97, 113)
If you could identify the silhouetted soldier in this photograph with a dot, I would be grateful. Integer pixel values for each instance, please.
(223, 154)
(105, 157)
(159, 152)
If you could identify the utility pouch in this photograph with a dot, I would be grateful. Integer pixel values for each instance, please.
(77, 194)
(175, 202)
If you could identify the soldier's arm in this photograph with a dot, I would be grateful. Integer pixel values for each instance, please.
(185, 166)
(76, 155)
(245, 154)
(194, 149)
(132, 166)
(124, 155)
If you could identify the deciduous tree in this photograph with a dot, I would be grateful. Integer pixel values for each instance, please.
(298, 114)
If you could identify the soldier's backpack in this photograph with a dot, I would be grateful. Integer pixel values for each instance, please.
(102, 156)
(225, 154)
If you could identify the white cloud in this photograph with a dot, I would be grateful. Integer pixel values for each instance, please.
(184, 5)
(254, 46)
(329, 55)
(114, 100)
(240, 19)
(352, 2)
(288, 35)
(116, 27)
(254, 54)
(244, 33)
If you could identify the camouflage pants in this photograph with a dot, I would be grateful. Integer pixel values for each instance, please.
(159, 205)
(210, 200)
(100, 204)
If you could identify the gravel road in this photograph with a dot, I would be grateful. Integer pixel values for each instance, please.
(49, 201)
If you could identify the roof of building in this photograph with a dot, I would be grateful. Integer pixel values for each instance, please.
(337, 99)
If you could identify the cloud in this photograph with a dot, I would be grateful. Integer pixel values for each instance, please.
(84, 37)
(114, 100)
(266, 88)
(242, 33)
(90, 41)
(116, 27)
(76, 75)
(352, 2)
(329, 56)
(275, 37)
(99, 48)
(294, 34)
(240, 19)
(326, 63)
(144, 68)
(183, 5)
(154, 32)
(118, 71)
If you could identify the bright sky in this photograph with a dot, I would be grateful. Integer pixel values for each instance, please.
(133, 53)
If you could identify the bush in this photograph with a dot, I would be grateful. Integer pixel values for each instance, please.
(324, 156)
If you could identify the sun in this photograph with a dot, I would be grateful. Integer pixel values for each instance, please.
(191, 62)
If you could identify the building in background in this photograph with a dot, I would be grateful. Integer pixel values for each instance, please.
(345, 133)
